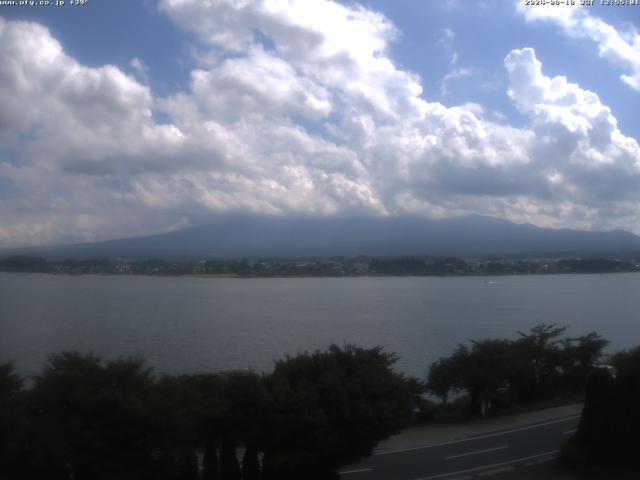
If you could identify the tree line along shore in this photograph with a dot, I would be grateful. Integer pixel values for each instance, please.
(84, 417)
(324, 267)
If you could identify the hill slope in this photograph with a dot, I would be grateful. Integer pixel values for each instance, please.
(248, 236)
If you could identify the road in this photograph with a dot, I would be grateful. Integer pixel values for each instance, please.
(486, 455)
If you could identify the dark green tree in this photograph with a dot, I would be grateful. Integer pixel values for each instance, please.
(12, 421)
(607, 435)
(540, 359)
(579, 356)
(210, 469)
(626, 406)
(489, 369)
(175, 404)
(250, 464)
(502, 372)
(232, 413)
(331, 408)
(443, 379)
(90, 420)
(483, 371)
(229, 465)
(598, 429)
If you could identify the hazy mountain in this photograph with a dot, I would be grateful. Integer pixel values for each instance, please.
(248, 236)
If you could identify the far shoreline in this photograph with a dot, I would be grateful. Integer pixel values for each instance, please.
(280, 277)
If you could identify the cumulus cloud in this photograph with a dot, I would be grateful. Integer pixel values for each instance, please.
(295, 108)
(399, 146)
(579, 147)
(447, 39)
(71, 114)
(620, 48)
(140, 68)
(452, 76)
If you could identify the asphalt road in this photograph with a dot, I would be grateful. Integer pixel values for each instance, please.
(498, 454)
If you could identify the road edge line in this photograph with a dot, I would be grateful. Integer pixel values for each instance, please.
(479, 437)
(485, 467)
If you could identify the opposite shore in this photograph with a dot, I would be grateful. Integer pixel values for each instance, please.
(324, 267)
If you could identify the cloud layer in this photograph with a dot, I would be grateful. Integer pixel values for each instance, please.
(620, 48)
(292, 108)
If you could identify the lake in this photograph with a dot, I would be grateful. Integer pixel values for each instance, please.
(192, 324)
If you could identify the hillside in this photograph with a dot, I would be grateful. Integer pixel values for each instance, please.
(248, 236)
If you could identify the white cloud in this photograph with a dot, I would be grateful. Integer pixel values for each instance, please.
(579, 143)
(259, 81)
(309, 116)
(447, 39)
(140, 68)
(452, 76)
(620, 48)
(73, 114)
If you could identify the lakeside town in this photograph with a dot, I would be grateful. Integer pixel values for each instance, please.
(322, 267)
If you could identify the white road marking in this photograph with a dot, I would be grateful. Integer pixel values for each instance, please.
(480, 437)
(477, 452)
(362, 470)
(495, 472)
(485, 467)
(570, 432)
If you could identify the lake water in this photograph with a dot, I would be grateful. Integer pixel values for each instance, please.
(191, 324)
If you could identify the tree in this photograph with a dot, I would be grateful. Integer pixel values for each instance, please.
(610, 421)
(587, 350)
(488, 372)
(229, 465)
(608, 430)
(482, 371)
(250, 464)
(90, 419)
(541, 356)
(442, 380)
(232, 412)
(580, 355)
(447, 375)
(12, 420)
(10, 382)
(625, 406)
(210, 461)
(598, 429)
(243, 421)
(24, 263)
(331, 408)
(538, 363)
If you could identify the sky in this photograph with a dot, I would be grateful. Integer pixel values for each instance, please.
(121, 118)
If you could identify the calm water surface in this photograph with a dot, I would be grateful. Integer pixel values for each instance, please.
(189, 324)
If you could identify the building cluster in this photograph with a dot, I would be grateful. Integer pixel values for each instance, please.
(323, 267)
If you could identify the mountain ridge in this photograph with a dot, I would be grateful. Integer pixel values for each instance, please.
(271, 236)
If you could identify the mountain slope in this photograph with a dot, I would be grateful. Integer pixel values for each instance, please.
(247, 236)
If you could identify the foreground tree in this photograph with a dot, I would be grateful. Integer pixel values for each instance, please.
(175, 405)
(89, 420)
(539, 364)
(607, 435)
(232, 413)
(250, 464)
(579, 355)
(210, 462)
(12, 420)
(541, 355)
(331, 409)
(483, 371)
(85, 418)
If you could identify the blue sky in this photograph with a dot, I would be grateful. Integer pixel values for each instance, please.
(124, 117)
